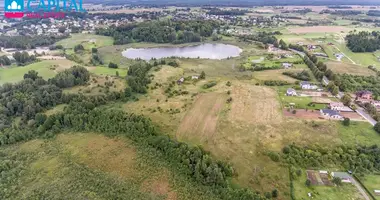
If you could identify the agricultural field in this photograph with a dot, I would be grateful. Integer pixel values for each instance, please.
(89, 165)
(276, 75)
(46, 69)
(342, 67)
(87, 40)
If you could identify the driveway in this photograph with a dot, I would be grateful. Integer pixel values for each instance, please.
(366, 116)
(361, 190)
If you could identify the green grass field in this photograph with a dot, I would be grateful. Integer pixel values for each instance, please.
(99, 70)
(91, 166)
(88, 41)
(372, 182)
(15, 74)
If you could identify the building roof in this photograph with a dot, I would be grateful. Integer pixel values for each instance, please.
(342, 175)
(340, 104)
(363, 92)
(305, 83)
(330, 112)
(290, 90)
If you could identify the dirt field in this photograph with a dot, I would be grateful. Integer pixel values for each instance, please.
(303, 114)
(317, 178)
(319, 29)
(201, 120)
(321, 100)
(353, 116)
(254, 105)
(341, 67)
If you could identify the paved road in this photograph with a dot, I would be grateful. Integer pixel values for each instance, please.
(366, 116)
(353, 62)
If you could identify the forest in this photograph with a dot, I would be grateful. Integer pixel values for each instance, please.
(28, 42)
(363, 41)
(232, 12)
(353, 83)
(175, 32)
(373, 13)
(303, 76)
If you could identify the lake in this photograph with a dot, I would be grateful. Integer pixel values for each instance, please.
(211, 51)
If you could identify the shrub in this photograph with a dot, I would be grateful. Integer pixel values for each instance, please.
(377, 127)
(209, 84)
(113, 65)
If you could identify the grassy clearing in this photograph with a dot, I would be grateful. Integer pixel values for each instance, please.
(99, 70)
(92, 166)
(98, 85)
(346, 191)
(301, 102)
(276, 75)
(55, 110)
(372, 182)
(46, 69)
(358, 133)
(87, 40)
(341, 67)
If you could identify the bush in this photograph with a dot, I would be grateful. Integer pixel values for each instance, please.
(209, 84)
(308, 183)
(377, 127)
(346, 121)
(113, 65)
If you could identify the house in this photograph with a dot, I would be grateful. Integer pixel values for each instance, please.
(323, 172)
(291, 92)
(376, 104)
(194, 77)
(336, 106)
(287, 65)
(331, 114)
(346, 178)
(307, 86)
(364, 94)
(180, 81)
(377, 192)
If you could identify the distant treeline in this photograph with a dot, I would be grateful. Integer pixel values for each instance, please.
(341, 12)
(300, 11)
(217, 11)
(374, 13)
(339, 7)
(363, 41)
(161, 31)
(28, 42)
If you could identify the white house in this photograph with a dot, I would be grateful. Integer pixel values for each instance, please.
(291, 92)
(194, 77)
(307, 86)
(287, 65)
(336, 106)
(330, 114)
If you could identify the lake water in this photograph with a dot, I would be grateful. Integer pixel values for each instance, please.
(211, 51)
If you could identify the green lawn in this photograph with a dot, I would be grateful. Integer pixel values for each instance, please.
(301, 102)
(88, 40)
(15, 74)
(108, 71)
(358, 133)
(372, 182)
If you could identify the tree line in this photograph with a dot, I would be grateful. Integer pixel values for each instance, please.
(363, 41)
(161, 31)
(28, 42)
(232, 12)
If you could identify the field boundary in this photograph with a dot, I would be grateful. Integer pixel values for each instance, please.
(363, 186)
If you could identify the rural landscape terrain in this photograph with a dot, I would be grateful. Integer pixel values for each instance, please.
(192, 102)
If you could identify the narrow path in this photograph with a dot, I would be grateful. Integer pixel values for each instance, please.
(361, 190)
(353, 62)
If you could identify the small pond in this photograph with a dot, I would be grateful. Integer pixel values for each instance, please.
(210, 51)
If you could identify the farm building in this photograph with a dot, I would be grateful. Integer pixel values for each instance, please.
(307, 86)
(346, 178)
(291, 92)
(287, 65)
(331, 114)
(364, 94)
(194, 77)
(377, 192)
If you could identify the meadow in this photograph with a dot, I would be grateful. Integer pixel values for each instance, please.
(91, 166)
(45, 68)
(87, 40)
(372, 182)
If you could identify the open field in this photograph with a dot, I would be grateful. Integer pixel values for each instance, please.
(55, 110)
(89, 166)
(46, 69)
(99, 70)
(372, 182)
(87, 40)
(321, 192)
(201, 120)
(341, 67)
(319, 29)
(254, 105)
(275, 75)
